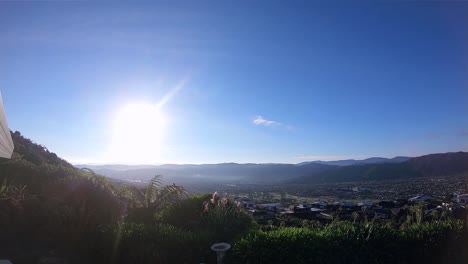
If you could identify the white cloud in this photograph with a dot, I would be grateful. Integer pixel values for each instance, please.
(259, 120)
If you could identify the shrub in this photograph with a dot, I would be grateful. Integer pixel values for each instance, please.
(186, 214)
(345, 242)
(218, 217)
(160, 243)
(225, 219)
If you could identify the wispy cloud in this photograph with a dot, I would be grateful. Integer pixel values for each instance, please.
(259, 120)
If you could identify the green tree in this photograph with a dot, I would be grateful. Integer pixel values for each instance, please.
(156, 198)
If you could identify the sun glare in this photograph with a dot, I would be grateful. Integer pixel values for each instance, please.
(137, 134)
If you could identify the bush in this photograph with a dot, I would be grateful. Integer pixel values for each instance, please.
(345, 242)
(186, 214)
(220, 218)
(161, 243)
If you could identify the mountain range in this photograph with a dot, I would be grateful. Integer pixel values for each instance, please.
(349, 162)
(213, 173)
(443, 164)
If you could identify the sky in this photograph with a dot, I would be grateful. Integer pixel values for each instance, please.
(236, 81)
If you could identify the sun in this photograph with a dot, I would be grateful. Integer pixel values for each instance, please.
(137, 133)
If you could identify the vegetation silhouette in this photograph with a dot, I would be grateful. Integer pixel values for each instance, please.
(52, 210)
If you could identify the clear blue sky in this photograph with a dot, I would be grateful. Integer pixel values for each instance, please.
(242, 81)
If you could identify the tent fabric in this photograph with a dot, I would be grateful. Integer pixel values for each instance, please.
(6, 143)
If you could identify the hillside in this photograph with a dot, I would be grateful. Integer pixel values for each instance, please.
(441, 164)
(348, 162)
(43, 196)
(26, 149)
(444, 164)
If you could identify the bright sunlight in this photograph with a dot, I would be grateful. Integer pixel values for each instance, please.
(137, 133)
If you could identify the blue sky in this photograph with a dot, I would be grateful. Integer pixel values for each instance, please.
(242, 81)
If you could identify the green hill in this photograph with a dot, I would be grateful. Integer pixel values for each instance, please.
(47, 205)
(26, 149)
(444, 164)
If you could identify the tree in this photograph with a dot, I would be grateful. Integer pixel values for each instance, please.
(156, 198)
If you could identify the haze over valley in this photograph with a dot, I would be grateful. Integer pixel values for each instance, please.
(314, 172)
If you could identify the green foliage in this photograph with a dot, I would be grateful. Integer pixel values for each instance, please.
(219, 218)
(8, 191)
(182, 232)
(37, 154)
(46, 201)
(345, 242)
(156, 199)
(159, 243)
(186, 214)
(226, 223)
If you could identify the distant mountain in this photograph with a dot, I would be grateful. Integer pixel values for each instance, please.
(349, 162)
(441, 164)
(214, 173)
(118, 167)
(310, 172)
(445, 164)
(30, 158)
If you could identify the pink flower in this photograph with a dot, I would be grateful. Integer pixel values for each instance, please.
(213, 198)
(224, 201)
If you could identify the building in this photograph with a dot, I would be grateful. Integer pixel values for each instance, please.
(461, 199)
(419, 198)
(273, 207)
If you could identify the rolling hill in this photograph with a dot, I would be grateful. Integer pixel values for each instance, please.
(310, 172)
(444, 164)
(348, 162)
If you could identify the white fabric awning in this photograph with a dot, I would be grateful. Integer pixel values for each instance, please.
(6, 143)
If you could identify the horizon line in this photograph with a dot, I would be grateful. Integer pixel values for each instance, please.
(242, 163)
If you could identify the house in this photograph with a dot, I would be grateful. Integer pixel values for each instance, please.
(431, 209)
(419, 198)
(247, 204)
(306, 212)
(461, 199)
(261, 216)
(365, 203)
(315, 212)
(270, 206)
(301, 208)
(344, 204)
(319, 204)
